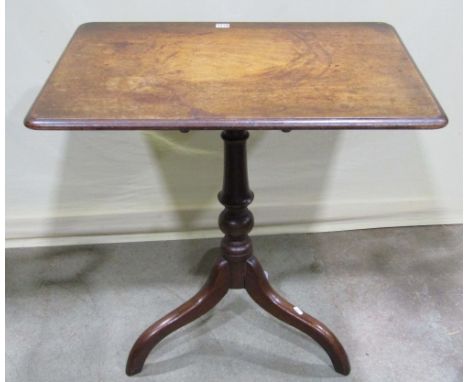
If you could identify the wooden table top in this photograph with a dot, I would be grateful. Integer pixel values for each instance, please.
(136, 76)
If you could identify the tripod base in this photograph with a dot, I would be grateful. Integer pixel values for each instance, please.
(237, 268)
(219, 282)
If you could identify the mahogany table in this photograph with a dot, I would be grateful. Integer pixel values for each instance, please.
(235, 77)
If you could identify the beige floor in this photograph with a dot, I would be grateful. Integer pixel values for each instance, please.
(393, 297)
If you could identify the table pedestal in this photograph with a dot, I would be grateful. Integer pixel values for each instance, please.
(236, 268)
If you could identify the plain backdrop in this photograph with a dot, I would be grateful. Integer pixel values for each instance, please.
(109, 186)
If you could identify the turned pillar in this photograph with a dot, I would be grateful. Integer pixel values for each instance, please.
(236, 220)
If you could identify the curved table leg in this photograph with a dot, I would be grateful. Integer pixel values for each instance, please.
(210, 294)
(263, 294)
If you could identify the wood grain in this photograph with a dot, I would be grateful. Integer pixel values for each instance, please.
(247, 76)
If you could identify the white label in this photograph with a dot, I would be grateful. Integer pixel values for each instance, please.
(298, 310)
(223, 25)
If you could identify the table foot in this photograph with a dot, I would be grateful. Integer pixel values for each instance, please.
(210, 294)
(258, 287)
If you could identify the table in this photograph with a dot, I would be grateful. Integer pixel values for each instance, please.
(235, 77)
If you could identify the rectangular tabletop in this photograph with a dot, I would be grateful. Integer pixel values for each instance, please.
(139, 76)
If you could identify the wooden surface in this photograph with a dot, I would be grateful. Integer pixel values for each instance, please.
(250, 75)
